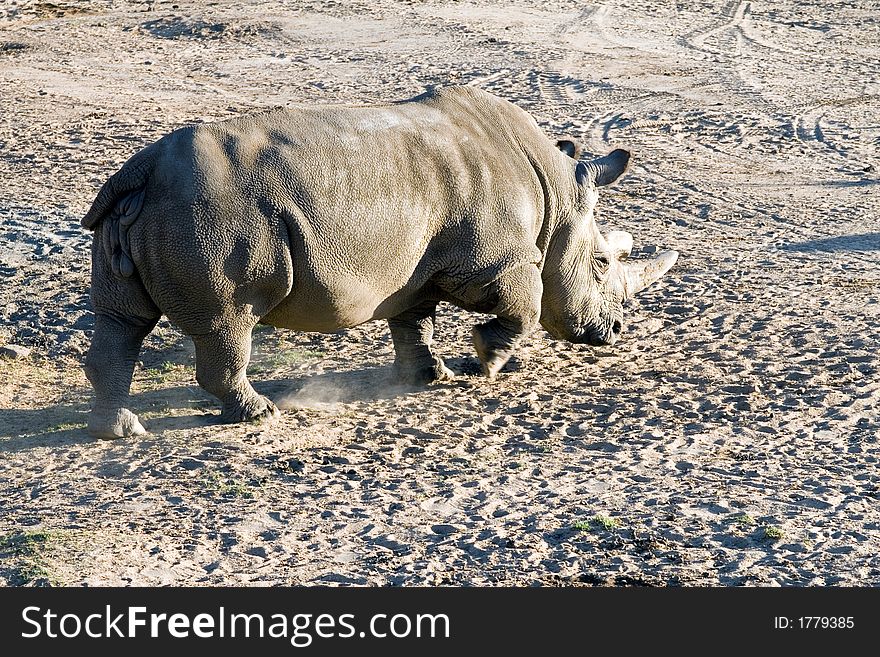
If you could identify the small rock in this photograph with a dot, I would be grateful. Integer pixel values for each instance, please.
(14, 351)
(294, 465)
(444, 530)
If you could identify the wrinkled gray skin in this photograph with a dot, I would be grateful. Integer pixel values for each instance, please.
(323, 218)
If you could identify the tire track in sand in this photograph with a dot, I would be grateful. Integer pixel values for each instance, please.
(736, 13)
(812, 128)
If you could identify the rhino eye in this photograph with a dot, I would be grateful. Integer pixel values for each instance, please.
(602, 262)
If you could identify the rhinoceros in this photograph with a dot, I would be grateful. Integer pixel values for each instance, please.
(320, 218)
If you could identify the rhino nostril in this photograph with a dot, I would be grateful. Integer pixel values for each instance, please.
(616, 328)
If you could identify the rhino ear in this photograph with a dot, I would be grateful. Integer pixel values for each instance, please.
(571, 147)
(604, 170)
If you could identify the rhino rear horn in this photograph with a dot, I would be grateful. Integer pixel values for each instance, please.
(620, 243)
(639, 274)
(604, 170)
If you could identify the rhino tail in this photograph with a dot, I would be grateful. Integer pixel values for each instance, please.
(115, 209)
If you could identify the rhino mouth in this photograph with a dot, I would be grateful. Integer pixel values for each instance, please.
(599, 337)
(595, 337)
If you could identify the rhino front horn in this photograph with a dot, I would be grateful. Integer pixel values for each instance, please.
(639, 274)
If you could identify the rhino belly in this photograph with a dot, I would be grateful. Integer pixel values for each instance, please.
(343, 303)
(352, 262)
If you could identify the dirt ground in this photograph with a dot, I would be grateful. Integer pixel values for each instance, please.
(730, 437)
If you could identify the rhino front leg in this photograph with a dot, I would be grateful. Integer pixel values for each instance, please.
(518, 310)
(109, 366)
(412, 332)
(221, 361)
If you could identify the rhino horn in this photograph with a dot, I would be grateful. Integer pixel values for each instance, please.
(640, 274)
(620, 244)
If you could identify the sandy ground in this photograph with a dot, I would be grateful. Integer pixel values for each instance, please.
(729, 439)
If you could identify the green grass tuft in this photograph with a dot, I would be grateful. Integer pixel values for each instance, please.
(744, 519)
(21, 553)
(605, 522)
(223, 486)
(26, 543)
(772, 533)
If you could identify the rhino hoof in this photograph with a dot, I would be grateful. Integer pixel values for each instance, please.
(257, 411)
(117, 424)
(491, 369)
(270, 412)
(443, 373)
(424, 375)
(491, 359)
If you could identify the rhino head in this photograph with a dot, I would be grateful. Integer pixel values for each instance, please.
(586, 275)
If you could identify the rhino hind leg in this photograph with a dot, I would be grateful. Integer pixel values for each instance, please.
(221, 360)
(412, 332)
(109, 366)
(518, 309)
(492, 349)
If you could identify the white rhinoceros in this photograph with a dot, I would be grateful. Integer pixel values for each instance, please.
(321, 218)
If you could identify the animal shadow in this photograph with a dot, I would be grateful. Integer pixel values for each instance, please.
(368, 384)
(861, 242)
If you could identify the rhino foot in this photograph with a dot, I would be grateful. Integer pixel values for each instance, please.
(115, 424)
(422, 376)
(442, 372)
(492, 356)
(256, 409)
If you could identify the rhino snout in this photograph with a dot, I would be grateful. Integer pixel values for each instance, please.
(598, 337)
(616, 330)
